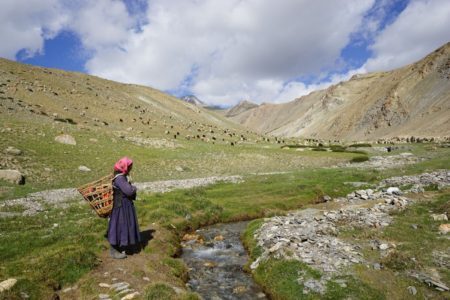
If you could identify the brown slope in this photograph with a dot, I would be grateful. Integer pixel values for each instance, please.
(413, 100)
(240, 108)
(44, 95)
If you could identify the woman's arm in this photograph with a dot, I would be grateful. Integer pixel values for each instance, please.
(126, 188)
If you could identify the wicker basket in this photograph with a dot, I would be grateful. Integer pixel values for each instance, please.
(99, 194)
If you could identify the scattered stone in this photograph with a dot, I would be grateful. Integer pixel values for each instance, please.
(394, 190)
(145, 278)
(179, 169)
(130, 296)
(412, 290)
(104, 285)
(314, 286)
(326, 198)
(430, 281)
(439, 217)
(84, 169)
(239, 289)
(93, 140)
(414, 226)
(444, 228)
(383, 247)
(210, 264)
(218, 238)
(13, 151)
(7, 284)
(376, 266)
(103, 296)
(66, 139)
(12, 176)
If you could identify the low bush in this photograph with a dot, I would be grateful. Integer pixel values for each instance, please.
(359, 159)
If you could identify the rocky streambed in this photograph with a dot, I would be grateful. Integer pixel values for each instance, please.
(216, 257)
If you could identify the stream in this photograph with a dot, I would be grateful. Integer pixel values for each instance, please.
(216, 264)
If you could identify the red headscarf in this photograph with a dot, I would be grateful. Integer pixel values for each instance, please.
(123, 165)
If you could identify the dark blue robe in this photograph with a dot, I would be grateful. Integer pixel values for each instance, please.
(123, 227)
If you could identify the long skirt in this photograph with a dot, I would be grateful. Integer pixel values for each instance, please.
(123, 227)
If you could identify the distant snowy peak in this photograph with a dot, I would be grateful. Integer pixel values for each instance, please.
(193, 100)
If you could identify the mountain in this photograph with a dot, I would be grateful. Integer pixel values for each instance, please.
(241, 107)
(43, 96)
(410, 101)
(193, 100)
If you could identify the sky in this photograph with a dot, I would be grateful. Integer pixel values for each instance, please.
(224, 51)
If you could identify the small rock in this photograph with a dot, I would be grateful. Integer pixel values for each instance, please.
(414, 226)
(218, 238)
(376, 266)
(394, 191)
(444, 228)
(179, 169)
(383, 247)
(66, 139)
(104, 285)
(439, 217)
(13, 151)
(84, 169)
(104, 297)
(93, 140)
(210, 264)
(326, 198)
(7, 284)
(412, 290)
(12, 176)
(130, 296)
(239, 289)
(145, 278)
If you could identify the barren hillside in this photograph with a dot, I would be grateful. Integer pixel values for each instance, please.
(413, 100)
(43, 95)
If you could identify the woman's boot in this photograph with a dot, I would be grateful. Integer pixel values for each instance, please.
(116, 254)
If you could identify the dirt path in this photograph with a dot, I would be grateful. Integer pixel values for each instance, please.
(34, 203)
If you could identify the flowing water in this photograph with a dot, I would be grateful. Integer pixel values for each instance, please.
(216, 264)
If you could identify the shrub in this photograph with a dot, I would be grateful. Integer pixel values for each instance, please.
(159, 291)
(360, 145)
(359, 159)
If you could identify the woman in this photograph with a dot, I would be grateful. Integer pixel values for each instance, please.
(123, 228)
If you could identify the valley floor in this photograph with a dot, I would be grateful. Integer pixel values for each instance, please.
(62, 251)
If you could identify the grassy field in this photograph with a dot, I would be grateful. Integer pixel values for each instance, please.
(60, 247)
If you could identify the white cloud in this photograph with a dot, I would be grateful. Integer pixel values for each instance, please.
(239, 49)
(24, 24)
(421, 28)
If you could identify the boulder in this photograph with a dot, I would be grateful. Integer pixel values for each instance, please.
(65, 139)
(12, 176)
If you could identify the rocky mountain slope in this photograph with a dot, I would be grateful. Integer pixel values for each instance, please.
(410, 101)
(49, 96)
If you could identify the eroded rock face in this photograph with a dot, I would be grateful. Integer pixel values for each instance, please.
(12, 176)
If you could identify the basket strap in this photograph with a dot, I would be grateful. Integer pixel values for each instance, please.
(120, 174)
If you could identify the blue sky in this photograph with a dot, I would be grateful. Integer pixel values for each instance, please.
(224, 51)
